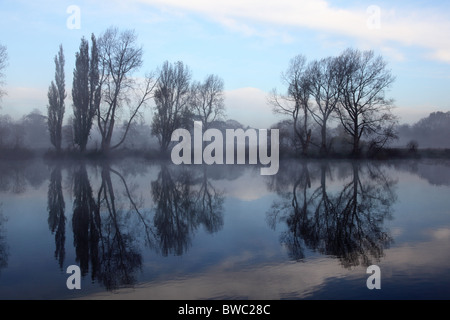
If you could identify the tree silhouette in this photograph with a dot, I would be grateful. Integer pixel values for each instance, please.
(56, 97)
(207, 100)
(86, 91)
(295, 103)
(364, 109)
(325, 83)
(172, 95)
(119, 57)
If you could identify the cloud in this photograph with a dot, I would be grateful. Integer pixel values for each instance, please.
(281, 279)
(393, 53)
(239, 189)
(226, 279)
(378, 25)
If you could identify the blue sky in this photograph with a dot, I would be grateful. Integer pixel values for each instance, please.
(248, 43)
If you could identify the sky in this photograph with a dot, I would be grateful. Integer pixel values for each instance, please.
(248, 43)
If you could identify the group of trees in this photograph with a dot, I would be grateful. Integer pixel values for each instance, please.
(178, 101)
(332, 103)
(349, 89)
(104, 87)
(102, 84)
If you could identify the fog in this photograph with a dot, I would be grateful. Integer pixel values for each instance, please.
(429, 132)
(29, 136)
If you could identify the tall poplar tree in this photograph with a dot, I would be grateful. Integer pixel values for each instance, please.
(86, 91)
(56, 97)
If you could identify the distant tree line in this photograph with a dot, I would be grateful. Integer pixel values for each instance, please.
(429, 132)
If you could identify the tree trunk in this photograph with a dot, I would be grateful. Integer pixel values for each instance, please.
(355, 139)
(323, 146)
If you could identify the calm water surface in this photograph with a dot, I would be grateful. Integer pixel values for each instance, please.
(146, 230)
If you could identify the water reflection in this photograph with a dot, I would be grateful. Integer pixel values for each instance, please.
(180, 208)
(114, 253)
(103, 241)
(109, 223)
(85, 222)
(117, 219)
(18, 176)
(209, 202)
(56, 216)
(345, 220)
(4, 251)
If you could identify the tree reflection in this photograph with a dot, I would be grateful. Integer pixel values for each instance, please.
(209, 204)
(56, 213)
(17, 176)
(85, 222)
(119, 258)
(111, 219)
(174, 211)
(293, 209)
(359, 213)
(180, 209)
(101, 230)
(345, 220)
(12, 177)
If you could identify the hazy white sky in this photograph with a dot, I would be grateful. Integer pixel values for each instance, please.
(246, 42)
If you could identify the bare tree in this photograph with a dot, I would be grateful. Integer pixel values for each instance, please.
(295, 102)
(3, 65)
(364, 108)
(119, 58)
(208, 100)
(325, 86)
(56, 107)
(171, 101)
(86, 91)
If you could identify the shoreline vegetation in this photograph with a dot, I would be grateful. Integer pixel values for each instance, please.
(394, 153)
